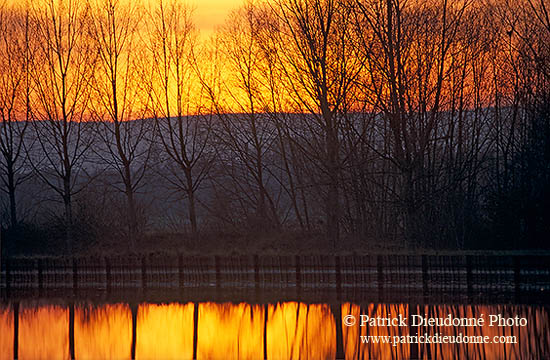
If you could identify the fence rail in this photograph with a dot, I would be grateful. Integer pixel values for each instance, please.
(379, 273)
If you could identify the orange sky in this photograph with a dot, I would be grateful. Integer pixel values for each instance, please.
(209, 14)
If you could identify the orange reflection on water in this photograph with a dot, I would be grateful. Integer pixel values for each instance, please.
(103, 332)
(237, 331)
(43, 332)
(472, 351)
(529, 338)
(300, 331)
(164, 331)
(229, 331)
(6, 333)
(354, 349)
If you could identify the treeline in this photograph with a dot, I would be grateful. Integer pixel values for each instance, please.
(420, 124)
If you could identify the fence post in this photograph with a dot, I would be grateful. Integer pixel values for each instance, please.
(8, 276)
(144, 273)
(256, 272)
(298, 273)
(338, 278)
(180, 271)
(108, 274)
(217, 269)
(424, 275)
(517, 276)
(75, 276)
(40, 276)
(469, 277)
(380, 273)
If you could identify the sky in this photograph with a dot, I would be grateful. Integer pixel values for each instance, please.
(209, 14)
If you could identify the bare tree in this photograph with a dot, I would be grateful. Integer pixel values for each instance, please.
(320, 67)
(407, 48)
(286, 161)
(14, 99)
(119, 103)
(519, 200)
(61, 69)
(177, 99)
(244, 133)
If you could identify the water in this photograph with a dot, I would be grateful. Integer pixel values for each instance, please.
(49, 329)
(273, 307)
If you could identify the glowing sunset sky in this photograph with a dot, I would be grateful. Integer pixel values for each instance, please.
(209, 14)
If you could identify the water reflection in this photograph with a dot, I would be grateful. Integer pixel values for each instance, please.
(230, 331)
(43, 332)
(6, 333)
(103, 332)
(300, 331)
(165, 331)
(289, 330)
(353, 346)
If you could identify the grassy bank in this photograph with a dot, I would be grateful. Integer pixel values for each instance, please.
(34, 243)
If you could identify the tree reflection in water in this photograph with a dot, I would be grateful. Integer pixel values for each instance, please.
(289, 330)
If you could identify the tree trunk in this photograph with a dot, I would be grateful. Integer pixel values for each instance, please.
(68, 219)
(191, 196)
(333, 206)
(132, 218)
(11, 193)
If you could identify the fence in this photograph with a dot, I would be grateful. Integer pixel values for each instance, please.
(380, 274)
